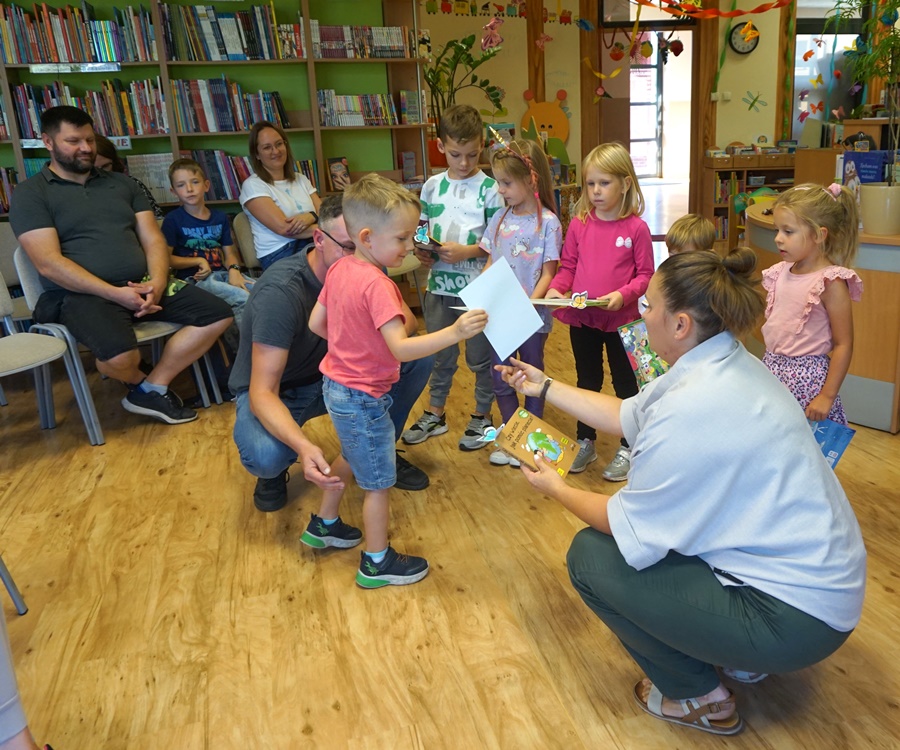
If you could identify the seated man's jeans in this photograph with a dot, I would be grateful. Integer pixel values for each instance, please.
(265, 456)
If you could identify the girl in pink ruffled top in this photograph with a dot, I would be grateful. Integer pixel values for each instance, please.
(808, 315)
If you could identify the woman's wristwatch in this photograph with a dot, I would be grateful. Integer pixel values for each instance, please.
(315, 216)
(234, 267)
(546, 388)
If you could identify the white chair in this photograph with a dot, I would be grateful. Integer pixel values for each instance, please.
(151, 332)
(243, 237)
(31, 351)
(8, 243)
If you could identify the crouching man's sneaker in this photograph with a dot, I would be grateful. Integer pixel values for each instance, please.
(271, 494)
(320, 535)
(168, 408)
(410, 477)
(394, 570)
(617, 469)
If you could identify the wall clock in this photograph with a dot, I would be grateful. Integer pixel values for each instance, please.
(739, 42)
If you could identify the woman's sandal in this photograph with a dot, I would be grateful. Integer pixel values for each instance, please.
(695, 715)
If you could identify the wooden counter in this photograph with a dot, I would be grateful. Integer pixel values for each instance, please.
(871, 390)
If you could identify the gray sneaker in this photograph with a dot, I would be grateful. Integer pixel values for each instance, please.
(499, 458)
(586, 454)
(617, 469)
(427, 425)
(472, 437)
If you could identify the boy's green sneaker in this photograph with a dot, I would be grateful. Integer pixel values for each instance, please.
(339, 534)
(394, 570)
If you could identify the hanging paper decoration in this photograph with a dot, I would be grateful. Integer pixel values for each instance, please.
(817, 81)
(803, 94)
(838, 113)
(693, 10)
(617, 52)
(753, 102)
(808, 54)
(889, 17)
(819, 41)
(677, 47)
(646, 49)
(585, 25)
(541, 42)
(813, 107)
(749, 31)
(803, 115)
(855, 88)
(836, 73)
(491, 36)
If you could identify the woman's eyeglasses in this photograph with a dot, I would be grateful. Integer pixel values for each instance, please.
(345, 248)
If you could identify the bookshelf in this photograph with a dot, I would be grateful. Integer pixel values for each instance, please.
(197, 76)
(726, 176)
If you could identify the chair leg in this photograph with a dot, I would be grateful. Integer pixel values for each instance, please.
(3, 401)
(11, 587)
(213, 382)
(201, 383)
(83, 398)
(44, 394)
(419, 292)
(77, 377)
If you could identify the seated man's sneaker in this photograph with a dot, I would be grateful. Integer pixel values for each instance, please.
(271, 494)
(499, 458)
(425, 427)
(320, 535)
(472, 437)
(617, 469)
(587, 453)
(168, 408)
(394, 570)
(410, 477)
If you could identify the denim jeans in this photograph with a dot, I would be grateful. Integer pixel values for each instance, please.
(285, 251)
(265, 456)
(217, 283)
(363, 425)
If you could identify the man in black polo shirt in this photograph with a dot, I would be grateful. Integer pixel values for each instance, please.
(105, 265)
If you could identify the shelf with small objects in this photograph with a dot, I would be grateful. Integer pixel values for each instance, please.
(745, 177)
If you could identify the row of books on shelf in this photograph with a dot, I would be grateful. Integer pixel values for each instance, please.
(411, 107)
(724, 189)
(200, 32)
(218, 105)
(8, 179)
(351, 42)
(355, 109)
(721, 223)
(135, 108)
(59, 35)
(225, 173)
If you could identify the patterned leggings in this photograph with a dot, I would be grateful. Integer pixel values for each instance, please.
(804, 378)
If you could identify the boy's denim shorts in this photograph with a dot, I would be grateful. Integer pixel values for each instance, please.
(363, 424)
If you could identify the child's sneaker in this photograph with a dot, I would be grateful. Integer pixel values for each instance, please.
(425, 427)
(321, 535)
(472, 437)
(586, 454)
(499, 458)
(394, 570)
(617, 469)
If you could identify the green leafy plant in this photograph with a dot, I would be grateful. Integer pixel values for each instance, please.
(876, 53)
(453, 70)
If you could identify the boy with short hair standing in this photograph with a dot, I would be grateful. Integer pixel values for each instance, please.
(360, 313)
(690, 233)
(456, 207)
(198, 236)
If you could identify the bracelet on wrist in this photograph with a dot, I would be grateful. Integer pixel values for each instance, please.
(234, 267)
(546, 388)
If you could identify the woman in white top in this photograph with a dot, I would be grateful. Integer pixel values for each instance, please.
(280, 203)
(732, 542)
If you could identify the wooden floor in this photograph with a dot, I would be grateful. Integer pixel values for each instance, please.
(167, 613)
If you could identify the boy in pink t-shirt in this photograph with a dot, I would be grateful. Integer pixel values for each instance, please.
(360, 312)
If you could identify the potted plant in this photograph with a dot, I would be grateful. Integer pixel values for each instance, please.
(876, 55)
(453, 70)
